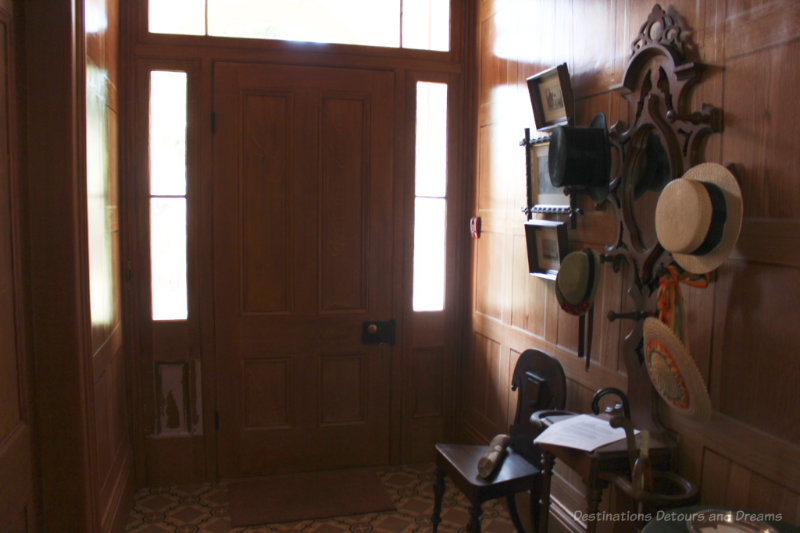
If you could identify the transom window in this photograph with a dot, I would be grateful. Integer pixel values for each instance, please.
(419, 24)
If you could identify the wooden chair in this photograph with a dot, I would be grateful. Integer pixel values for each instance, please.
(540, 384)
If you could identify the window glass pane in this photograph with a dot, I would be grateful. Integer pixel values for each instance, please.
(168, 258)
(426, 24)
(429, 247)
(185, 17)
(167, 133)
(364, 22)
(431, 144)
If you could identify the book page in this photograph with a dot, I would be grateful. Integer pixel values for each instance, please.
(582, 432)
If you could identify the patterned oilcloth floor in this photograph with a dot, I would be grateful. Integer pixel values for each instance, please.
(203, 508)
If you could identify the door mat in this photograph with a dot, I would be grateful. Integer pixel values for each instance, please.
(306, 496)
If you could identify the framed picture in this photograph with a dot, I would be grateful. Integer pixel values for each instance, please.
(178, 398)
(547, 245)
(551, 98)
(543, 197)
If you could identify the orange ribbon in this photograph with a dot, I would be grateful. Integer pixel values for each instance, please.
(670, 299)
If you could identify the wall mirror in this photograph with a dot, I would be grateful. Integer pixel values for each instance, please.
(664, 140)
(647, 171)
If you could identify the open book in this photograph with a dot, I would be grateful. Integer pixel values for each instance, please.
(582, 432)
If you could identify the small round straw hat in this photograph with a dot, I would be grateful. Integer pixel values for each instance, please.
(674, 373)
(576, 283)
(699, 217)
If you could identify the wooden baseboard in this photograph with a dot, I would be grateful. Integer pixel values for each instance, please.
(562, 520)
(116, 516)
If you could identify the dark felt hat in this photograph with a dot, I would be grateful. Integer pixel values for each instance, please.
(580, 158)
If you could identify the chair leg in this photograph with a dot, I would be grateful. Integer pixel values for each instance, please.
(512, 511)
(438, 492)
(474, 525)
(536, 504)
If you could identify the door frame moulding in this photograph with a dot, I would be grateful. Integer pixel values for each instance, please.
(138, 48)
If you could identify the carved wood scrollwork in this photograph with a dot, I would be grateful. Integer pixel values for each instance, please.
(663, 141)
(656, 80)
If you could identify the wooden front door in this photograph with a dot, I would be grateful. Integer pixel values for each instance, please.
(303, 226)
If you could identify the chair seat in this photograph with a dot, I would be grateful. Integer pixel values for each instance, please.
(460, 462)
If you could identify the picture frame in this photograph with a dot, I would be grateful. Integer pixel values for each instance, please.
(551, 98)
(546, 242)
(543, 196)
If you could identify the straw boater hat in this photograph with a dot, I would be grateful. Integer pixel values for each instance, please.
(674, 373)
(699, 217)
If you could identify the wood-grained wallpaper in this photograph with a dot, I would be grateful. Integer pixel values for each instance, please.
(742, 327)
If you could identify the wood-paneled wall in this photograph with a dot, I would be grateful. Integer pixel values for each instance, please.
(70, 150)
(113, 460)
(743, 327)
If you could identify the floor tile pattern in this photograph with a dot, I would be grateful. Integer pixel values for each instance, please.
(203, 508)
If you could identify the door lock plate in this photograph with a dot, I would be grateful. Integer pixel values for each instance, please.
(377, 332)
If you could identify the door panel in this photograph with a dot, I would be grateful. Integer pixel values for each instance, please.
(266, 260)
(16, 470)
(303, 231)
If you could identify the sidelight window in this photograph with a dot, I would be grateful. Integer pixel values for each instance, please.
(168, 195)
(419, 24)
(430, 204)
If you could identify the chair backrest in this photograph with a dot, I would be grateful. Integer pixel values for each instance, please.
(540, 384)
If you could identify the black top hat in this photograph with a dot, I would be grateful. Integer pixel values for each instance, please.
(580, 158)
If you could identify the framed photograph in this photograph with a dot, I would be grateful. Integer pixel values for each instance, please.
(547, 245)
(551, 98)
(543, 197)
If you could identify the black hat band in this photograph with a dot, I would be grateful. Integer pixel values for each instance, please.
(719, 215)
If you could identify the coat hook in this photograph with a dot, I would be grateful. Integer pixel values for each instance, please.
(633, 315)
(616, 260)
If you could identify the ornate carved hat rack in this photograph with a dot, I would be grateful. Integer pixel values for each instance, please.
(663, 141)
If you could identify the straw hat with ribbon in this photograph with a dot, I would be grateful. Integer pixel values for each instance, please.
(699, 217)
(576, 285)
(671, 367)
